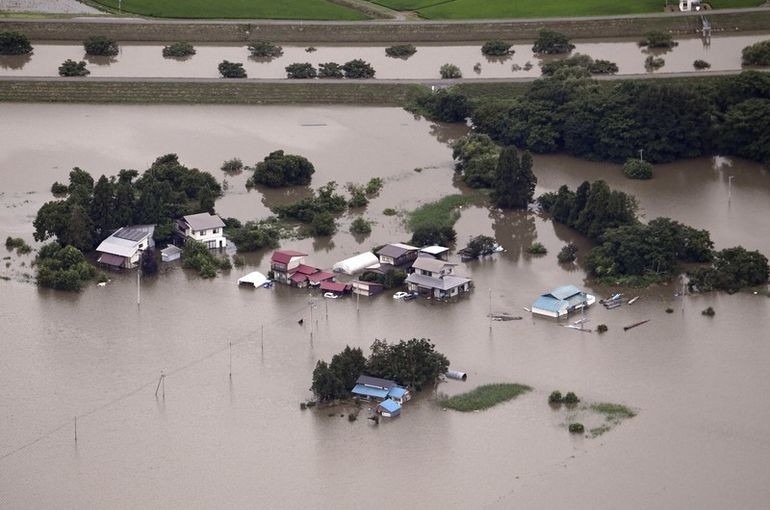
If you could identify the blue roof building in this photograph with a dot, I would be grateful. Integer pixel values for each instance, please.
(373, 387)
(389, 408)
(562, 301)
(399, 394)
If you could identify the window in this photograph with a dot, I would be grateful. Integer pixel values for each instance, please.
(215, 231)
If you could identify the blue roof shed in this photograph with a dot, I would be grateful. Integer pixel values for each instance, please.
(389, 408)
(397, 392)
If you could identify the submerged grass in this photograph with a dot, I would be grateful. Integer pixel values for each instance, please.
(613, 411)
(441, 213)
(485, 396)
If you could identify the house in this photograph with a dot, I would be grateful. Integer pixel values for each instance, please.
(399, 394)
(123, 249)
(283, 263)
(357, 263)
(367, 288)
(318, 278)
(300, 276)
(170, 253)
(373, 387)
(434, 278)
(389, 408)
(437, 252)
(334, 287)
(397, 255)
(562, 301)
(204, 227)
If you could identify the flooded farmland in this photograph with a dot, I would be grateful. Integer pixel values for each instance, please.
(700, 438)
(145, 60)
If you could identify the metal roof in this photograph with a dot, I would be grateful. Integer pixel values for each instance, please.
(564, 292)
(204, 221)
(320, 276)
(375, 382)
(431, 264)
(333, 286)
(134, 233)
(550, 304)
(397, 392)
(121, 246)
(298, 277)
(171, 250)
(111, 260)
(284, 256)
(446, 282)
(366, 391)
(395, 251)
(434, 250)
(390, 406)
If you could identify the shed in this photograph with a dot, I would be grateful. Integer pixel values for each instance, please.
(254, 278)
(389, 408)
(337, 288)
(170, 253)
(435, 251)
(399, 394)
(355, 264)
(367, 288)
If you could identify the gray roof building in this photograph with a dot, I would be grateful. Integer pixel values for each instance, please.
(203, 221)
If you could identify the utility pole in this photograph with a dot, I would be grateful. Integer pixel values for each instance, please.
(326, 303)
(262, 339)
(230, 349)
(76, 429)
(641, 155)
(139, 279)
(490, 308)
(730, 188)
(358, 298)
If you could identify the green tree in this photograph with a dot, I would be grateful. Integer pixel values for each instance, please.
(330, 70)
(637, 169)
(14, 43)
(348, 365)
(413, 363)
(103, 207)
(361, 226)
(79, 230)
(179, 50)
(280, 170)
(514, 180)
(496, 48)
(71, 68)
(265, 49)
(323, 224)
(62, 268)
(255, 236)
(656, 39)
(450, 71)
(550, 42)
(358, 69)
(476, 158)
(231, 69)
(426, 235)
(101, 46)
(301, 71)
(758, 54)
(326, 384)
(401, 51)
(732, 269)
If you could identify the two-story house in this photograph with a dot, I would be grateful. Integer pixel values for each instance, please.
(204, 227)
(433, 278)
(284, 263)
(123, 249)
(397, 255)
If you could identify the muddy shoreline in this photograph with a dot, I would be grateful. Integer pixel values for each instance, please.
(727, 20)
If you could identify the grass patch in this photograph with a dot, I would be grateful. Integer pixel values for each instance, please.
(485, 397)
(598, 431)
(613, 411)
(244, 9)
(441, 213)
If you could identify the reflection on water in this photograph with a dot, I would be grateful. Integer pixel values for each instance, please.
(242, 441)
(100, 60)
(14, 62)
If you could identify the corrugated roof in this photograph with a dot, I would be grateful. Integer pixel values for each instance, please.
(134, 233)
(550, 304)
(204, 221)
(434, 250)
(446, 282)
(320, 276)
(395, 250)
(431, 264)
(298, 277)
(116, 244)
(376, 382)
(390, 406)
(564, 292)
(111, 260)
(397, 392)
(171, 250)
(308, 270)
(366, 391)
(333, 286)
(284, 256)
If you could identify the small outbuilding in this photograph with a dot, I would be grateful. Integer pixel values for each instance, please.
(389, 408)
(255, 278)
(399, 394)
(356, 264)
(367, 289)
(438, 252)
(170, 253)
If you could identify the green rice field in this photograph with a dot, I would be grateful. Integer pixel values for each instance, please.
(235, 9)
(490, 9)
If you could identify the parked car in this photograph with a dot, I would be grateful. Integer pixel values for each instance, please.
(401, 295)
(331, 295)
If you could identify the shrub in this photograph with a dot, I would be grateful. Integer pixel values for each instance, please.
(709, 312)
(401, 51)
(352, 417)
(549, 42)
(330, 70)
(496, 48)
(232, 166)
(450, 71)
(669, 310)
(14, 43)
(602, 67)
(265, 49)
(359, 197)
(358, 69)
(758, 54)
(301, 71)
(732, 269)
(374, 186)
(576, 428)
(231, 69)
(254, 235)
(239, 260)
(602, 328)
(567, 254)
(479, 245)
(389, 211)
(651, 63)
(62, 268)
(101, 46)
(58, 188)
(323, 224)
(537, 248)
(637, 169)
(555, 397)
(444, 105)
(279, 170)
(701, 64)
(657, 39)
(361, 226)
(179, 50)
(571, 398)
(324, 200)
(429, 235)
(197, 256)
(17, 243)
(71, 68)
(311, 49)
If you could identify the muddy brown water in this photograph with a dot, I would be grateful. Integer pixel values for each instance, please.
(700, 439)
(146, 60)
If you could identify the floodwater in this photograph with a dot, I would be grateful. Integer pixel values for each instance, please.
(700, 438)
(146, 60)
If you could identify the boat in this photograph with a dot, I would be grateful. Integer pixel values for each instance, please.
(626, 328)
(614, 297)
(633, 300)
(612, 306)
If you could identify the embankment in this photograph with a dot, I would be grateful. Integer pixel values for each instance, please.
(203, 91)
(727, 20)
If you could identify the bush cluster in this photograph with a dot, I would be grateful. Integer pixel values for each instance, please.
(231, 69)
(197, 256)
(71, 68)
(657, 39)
(179, 50)
(496, 48)
(537, 248)
(62, 268)
(14, 43)
(450, 71)
(401, 51)
(637, 169)
(758, 54)
(100, 45)
(549, 42)
(567, 254)
(279, 170)
(265, 49)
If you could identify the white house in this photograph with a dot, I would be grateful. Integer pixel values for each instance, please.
(434, 278)
(123, 249)
(562, 301)
(205, 228)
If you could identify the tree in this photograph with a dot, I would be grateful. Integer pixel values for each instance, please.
(280, 170)
(496, 48)
(411, 363)
(732, 269)
(637, 169)
(196, 255)
(253, 235)
(73, 69)
(330, 70)
(78, 231)
(100, 45)
(323, 224)
(479, 245)
(514, 180)
(326, 384)
(657, 39)
(443, 105)
(301, 71)
(567, 254)
(14, 43)
(476, 158)
(231, 69)
(179, 50)
(361, 226)
(265, 49)
(550, 42)
(149, 262)
(745, 131)
(427, 235)
(348, 365)
(758, 54)
(102, 211)
(401, 51)
(358, 69)
(62, 268)
(450, 71)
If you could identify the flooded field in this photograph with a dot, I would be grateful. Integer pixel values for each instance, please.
(146, 60)
(700, 438)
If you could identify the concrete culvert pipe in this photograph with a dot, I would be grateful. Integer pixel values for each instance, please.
(454, 374)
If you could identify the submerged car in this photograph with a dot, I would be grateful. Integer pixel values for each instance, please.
(401, 295)
(331, 295)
